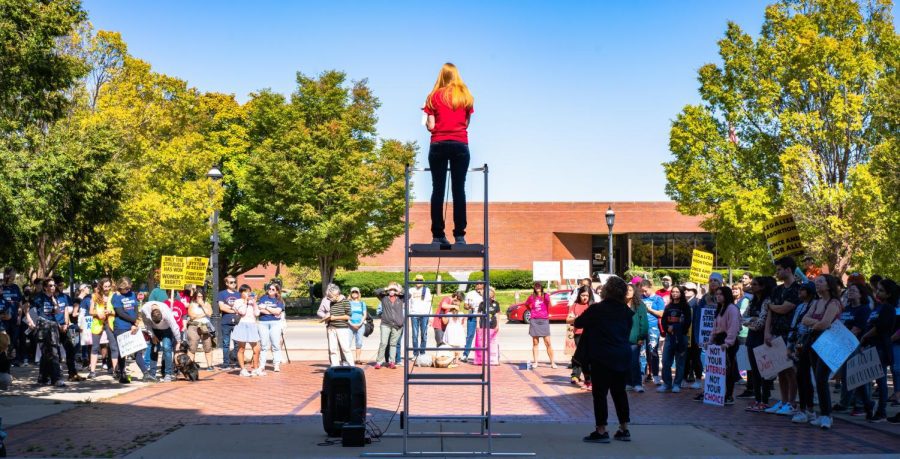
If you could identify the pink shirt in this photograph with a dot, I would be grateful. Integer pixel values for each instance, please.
(730, 323)
(540, 306)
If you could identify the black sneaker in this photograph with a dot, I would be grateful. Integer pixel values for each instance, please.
(745, 394)
(698, 397)
(459, 240)
(837, 407)
(124, 380)
(596, 437)
(622, 435)
(895, 419)
(879, 417)
(729, 401)
(440, 240)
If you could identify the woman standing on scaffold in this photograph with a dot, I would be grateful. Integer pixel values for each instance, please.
(449, 107)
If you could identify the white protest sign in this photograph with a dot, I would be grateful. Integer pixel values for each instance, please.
(743, 359)
(835, 345)
(545, 271)
(771, 360)
(131, 343)
(714, 384)
(576, 269)
(707, 320)
(863, 367)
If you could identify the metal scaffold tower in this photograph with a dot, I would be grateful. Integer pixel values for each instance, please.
(448, 377)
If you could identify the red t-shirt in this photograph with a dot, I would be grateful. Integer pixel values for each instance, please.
(178, 310)
(449, 124)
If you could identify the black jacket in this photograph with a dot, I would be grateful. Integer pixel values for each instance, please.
(604, 341)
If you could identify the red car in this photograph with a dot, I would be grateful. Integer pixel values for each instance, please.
(559, 308)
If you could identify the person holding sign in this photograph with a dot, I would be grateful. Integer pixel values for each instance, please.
(754, 319)
(879, 329)
(785, 299)
(125, 304)
(822, 312)
(854, 316)
(725, 333)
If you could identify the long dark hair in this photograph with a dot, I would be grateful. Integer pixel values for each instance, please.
(583, 289)
(767, 283)
(636, 298)
(893, 291)
(833, 286)
(729, 300)
(682, 300)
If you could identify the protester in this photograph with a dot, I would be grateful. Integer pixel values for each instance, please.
(639, 330)
(84, 323)
(785, 299)
(449, 108)
(746, 278)
(605, 349)
(666, 289)
(125, 305)
(742, 300)
(199, 329)
(822, 312)
(810, 269)
(880, 327)
(754, 319)
(437, 323)
(539, 325)
(491, 328)
(246, 331)
(419, 304)
(854, 316)
(13, 300)
(706, 302)
(392, 311)
(473, 299)
(576, 309)
(226, 299)
(655, 306)
(358, 314)
(338, 328)
(585, 282)
(48, 333)
(693, 365)
(68, 334)
(676, 321)
(271, 310)
(798, 349)
(165, 335)
(725, 333)
(102, 322)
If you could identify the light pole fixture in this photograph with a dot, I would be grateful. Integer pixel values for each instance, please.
(610, 221)
(215, 175)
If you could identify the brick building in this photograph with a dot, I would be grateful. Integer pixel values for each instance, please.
(648, 234)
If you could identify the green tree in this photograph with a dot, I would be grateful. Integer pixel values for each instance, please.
(318, 188)
(799, 102)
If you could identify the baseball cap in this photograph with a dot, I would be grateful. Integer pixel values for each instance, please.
(669, 278)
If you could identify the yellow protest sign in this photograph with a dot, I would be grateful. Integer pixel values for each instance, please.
(171, 273)
(195, 270)
(701, 266)
(782, 237)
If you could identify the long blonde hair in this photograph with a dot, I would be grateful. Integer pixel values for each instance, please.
(456, 95)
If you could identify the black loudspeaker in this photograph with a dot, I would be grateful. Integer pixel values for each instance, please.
(343, 399)
(353, 435)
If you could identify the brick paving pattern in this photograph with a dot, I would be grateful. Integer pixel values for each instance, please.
(124, 423)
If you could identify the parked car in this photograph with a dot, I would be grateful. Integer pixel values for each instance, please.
(559, 308)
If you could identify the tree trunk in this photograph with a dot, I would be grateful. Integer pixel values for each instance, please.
(326, 270)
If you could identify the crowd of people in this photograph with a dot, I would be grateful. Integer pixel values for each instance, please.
(43, 325)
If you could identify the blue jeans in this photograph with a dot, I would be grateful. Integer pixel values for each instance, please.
(456, 156)
(167, 346)
(471, 325)
(895, 368)
(138, 357)
(226, 344)
(399, 352)
(652, 349)
(635, 373)
(270, 337)
(419, 333)
(674, 349)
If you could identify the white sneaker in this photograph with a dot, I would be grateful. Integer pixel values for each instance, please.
(662, 388)
(533, 365)
(629, 388)
(639, 389)
(800, 418)
(277, 368)
(676, 389)
(657, 380)
(774, 408)
(825, 422)
(259, 371)
(786, 410)
(811, 416)
(245, 373)
(696, 385)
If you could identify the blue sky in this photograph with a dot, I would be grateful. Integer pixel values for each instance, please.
(573, 100)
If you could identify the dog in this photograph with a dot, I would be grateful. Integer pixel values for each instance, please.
(184, 365)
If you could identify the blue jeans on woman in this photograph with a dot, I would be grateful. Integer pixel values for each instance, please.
(456, 156)
(419, 333)
(674, 349)
(635, 373)
(471, 325)
(167, 345)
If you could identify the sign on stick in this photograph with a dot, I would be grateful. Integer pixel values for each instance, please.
(782, 237)
(171, 273)
(545, 271)
(576, 269)
(701, 266)
(195, 270)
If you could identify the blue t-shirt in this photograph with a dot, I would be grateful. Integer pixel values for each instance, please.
(267, 300)
(656, 303)
(128, 303)
(63, 301)
(85, 307)
(856, 317)
(228, 298)
(45, 307)
(12, 298)
(357, 309)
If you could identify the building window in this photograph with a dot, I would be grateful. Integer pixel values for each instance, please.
(669, 250)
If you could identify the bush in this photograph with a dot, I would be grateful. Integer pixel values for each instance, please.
(504, 279)
(679, 276)
(369, 281)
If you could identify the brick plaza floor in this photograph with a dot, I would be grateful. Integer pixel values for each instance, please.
(121, 424)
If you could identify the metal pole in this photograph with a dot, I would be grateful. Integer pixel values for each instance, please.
(611, 251)
(408, 365)
(214, 261)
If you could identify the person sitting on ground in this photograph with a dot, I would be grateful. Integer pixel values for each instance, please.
(605, 348)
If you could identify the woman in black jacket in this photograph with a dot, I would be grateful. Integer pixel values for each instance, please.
(604, 348)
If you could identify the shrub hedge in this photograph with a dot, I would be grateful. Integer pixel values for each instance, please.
(369, 281)
(503, 279)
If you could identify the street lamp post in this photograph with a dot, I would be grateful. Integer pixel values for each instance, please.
(610, 221)
(215, 175)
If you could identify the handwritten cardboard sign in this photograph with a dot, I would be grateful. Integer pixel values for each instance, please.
(131, 343)
(835, 345)
(771, 360)
(863, 367)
